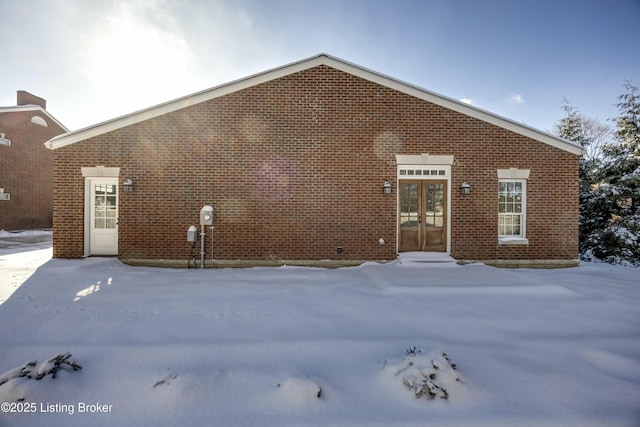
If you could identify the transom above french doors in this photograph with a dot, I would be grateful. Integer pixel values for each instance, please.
(422, 215)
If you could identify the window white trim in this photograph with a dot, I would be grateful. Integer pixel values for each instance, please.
(521, 237)
(424, 172)
(511, 240)
(423, 159)
(99, 172)
(37, 120)
(513, 173)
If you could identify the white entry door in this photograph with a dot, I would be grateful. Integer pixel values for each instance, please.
(103, 221)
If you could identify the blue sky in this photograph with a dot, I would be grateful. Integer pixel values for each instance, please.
(96, 60)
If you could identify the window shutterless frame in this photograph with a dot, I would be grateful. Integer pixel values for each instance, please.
(512, 208)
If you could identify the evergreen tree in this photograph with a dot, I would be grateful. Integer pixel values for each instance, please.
(618, 193)
(577, 128)
(609, 181)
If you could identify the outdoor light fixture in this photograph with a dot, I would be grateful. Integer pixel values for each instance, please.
(386, 187)
(128, 185)
(465, 188)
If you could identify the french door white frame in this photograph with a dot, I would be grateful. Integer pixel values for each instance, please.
(406, 163)
(99, 175)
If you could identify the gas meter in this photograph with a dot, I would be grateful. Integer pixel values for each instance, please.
(192, 234)
(206, 215)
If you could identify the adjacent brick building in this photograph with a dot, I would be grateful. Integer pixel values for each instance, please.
(26, 166)
(319, 159)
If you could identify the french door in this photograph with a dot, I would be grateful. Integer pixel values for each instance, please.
(422, 215)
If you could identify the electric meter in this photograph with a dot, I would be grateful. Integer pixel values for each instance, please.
(206, 215)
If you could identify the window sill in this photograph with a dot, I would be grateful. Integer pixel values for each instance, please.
(513, 241)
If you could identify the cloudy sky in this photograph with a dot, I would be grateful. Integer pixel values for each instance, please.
(99, 59)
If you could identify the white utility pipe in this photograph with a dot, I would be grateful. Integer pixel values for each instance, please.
(202, 235)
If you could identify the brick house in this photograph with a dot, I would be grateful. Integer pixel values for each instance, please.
(26, 166)
(319, 159)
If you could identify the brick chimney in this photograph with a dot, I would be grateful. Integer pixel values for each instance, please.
(26, 98)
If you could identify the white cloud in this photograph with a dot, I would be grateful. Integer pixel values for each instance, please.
(467, 101)
(133, 60)
(516, 98)
(146, 52)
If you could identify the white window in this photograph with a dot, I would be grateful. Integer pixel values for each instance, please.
(512, 206)
(512, 210)
(423, 172)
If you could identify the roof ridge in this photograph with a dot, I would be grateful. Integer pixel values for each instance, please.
(301, 65)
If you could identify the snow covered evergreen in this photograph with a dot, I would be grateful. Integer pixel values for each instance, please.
(609, 183)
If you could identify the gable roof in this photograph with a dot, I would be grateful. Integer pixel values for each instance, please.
(321, 59)
(33, 107)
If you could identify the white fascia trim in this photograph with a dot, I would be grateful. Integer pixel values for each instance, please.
(180, 103)
(322, 59)
(454, 105)
(33, 107)
(18, 108)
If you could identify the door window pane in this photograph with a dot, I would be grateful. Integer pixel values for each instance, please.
(409, 205)
(106, 205)
(435, 205)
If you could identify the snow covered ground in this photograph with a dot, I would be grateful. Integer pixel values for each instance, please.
(16, 266)
(295, 346)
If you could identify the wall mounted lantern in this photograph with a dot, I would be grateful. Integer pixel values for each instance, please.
(465, 189)
(386, 187)
(128, 185)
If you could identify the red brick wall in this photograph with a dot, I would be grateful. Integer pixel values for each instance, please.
(294, 169)
(26, 98)
(551, 197)
(26, 171)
